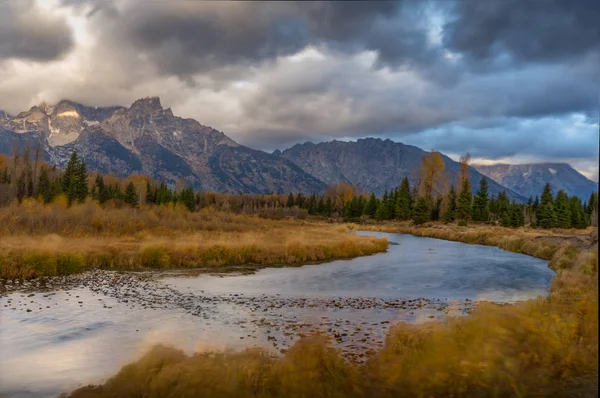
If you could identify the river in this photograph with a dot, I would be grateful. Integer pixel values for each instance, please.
(54, 341)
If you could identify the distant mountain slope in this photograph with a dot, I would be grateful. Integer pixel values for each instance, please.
(147, 139)
(529, 179)
(373, 164)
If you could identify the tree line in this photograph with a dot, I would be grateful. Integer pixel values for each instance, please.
(431, 199)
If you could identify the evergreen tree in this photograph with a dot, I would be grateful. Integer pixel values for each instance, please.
(451, 210)
(44, 186)
(578, 216)
(481, 202)
(102, 193)
(371, 206)
(150, 193)
(403, 209)
(188, 198)
(506, 218)
(290, 201)
(563, 210)
(436, 209)
(546, 215)
(517, 218)
(131, 196)
(421, 212)
(465, 202)
(381, 212)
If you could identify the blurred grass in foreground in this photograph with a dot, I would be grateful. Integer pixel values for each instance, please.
(544, 347)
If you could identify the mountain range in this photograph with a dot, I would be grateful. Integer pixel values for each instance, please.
(529, 179)
(147, 139)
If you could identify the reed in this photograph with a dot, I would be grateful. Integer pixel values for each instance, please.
(542, 347)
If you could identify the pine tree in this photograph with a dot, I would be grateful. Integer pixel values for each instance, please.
(371, 206)
(81, 181)
(421, 212)
(465, 202)
(188, 198)
(150, 193)
(451, 210)
(131, 196)
(517, 218)
(436, 209)
(403, 209)
(290, 201)
(481, 202)
(68, 177)
(506, 218)
(546, 215)
(44, 187)
(381, 212)
(563, 210)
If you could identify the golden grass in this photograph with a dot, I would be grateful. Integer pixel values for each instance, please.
(538, 348)
(38, 240)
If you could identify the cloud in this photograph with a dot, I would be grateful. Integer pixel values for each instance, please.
(27, 32)
(535, 31)
(271, 74)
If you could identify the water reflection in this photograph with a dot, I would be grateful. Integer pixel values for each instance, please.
(77, 337)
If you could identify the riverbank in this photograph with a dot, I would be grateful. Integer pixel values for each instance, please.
(51, 240)
(539, 347)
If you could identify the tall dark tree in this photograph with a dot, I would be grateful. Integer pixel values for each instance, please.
(563, 210)
(481, 202)
(421, 212)
(371, 206)
(290, 200)
(404, 201)
(131, 196)
(450, 214)
(546, 215)
(44, 187)
(188, 198)
(465, 202)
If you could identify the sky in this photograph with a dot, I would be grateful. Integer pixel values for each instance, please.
(510, 81)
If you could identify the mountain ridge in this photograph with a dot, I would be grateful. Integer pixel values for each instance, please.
(529, 179)
(146, 138)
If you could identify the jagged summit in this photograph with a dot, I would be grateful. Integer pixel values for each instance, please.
(529, 179)
(145, 138)
(147, 103)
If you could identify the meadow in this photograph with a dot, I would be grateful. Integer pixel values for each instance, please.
(53, 239)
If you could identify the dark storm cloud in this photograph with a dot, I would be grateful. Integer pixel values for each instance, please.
(525, 31)
(186, 37)
(27, 33)
(271, 74)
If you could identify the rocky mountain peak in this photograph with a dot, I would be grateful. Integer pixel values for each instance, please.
(149, 104)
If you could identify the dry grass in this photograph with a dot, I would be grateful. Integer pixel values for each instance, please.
(544, 347)
(38, 240)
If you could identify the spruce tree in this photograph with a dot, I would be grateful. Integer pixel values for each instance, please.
(517, 218)
(436, 209)
(546, 215)
(371, 206)
(150, 193)
(290, 200)
(404, 201)
(188, 198)
(451, 210)
(481, 202)
(44, 187)
(465, 202)
(563, 210)
(421, 212)
(131, 196)
(69, 173)
(381, 212)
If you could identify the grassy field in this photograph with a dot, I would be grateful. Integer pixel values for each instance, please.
(543, 347)
(46, 240)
